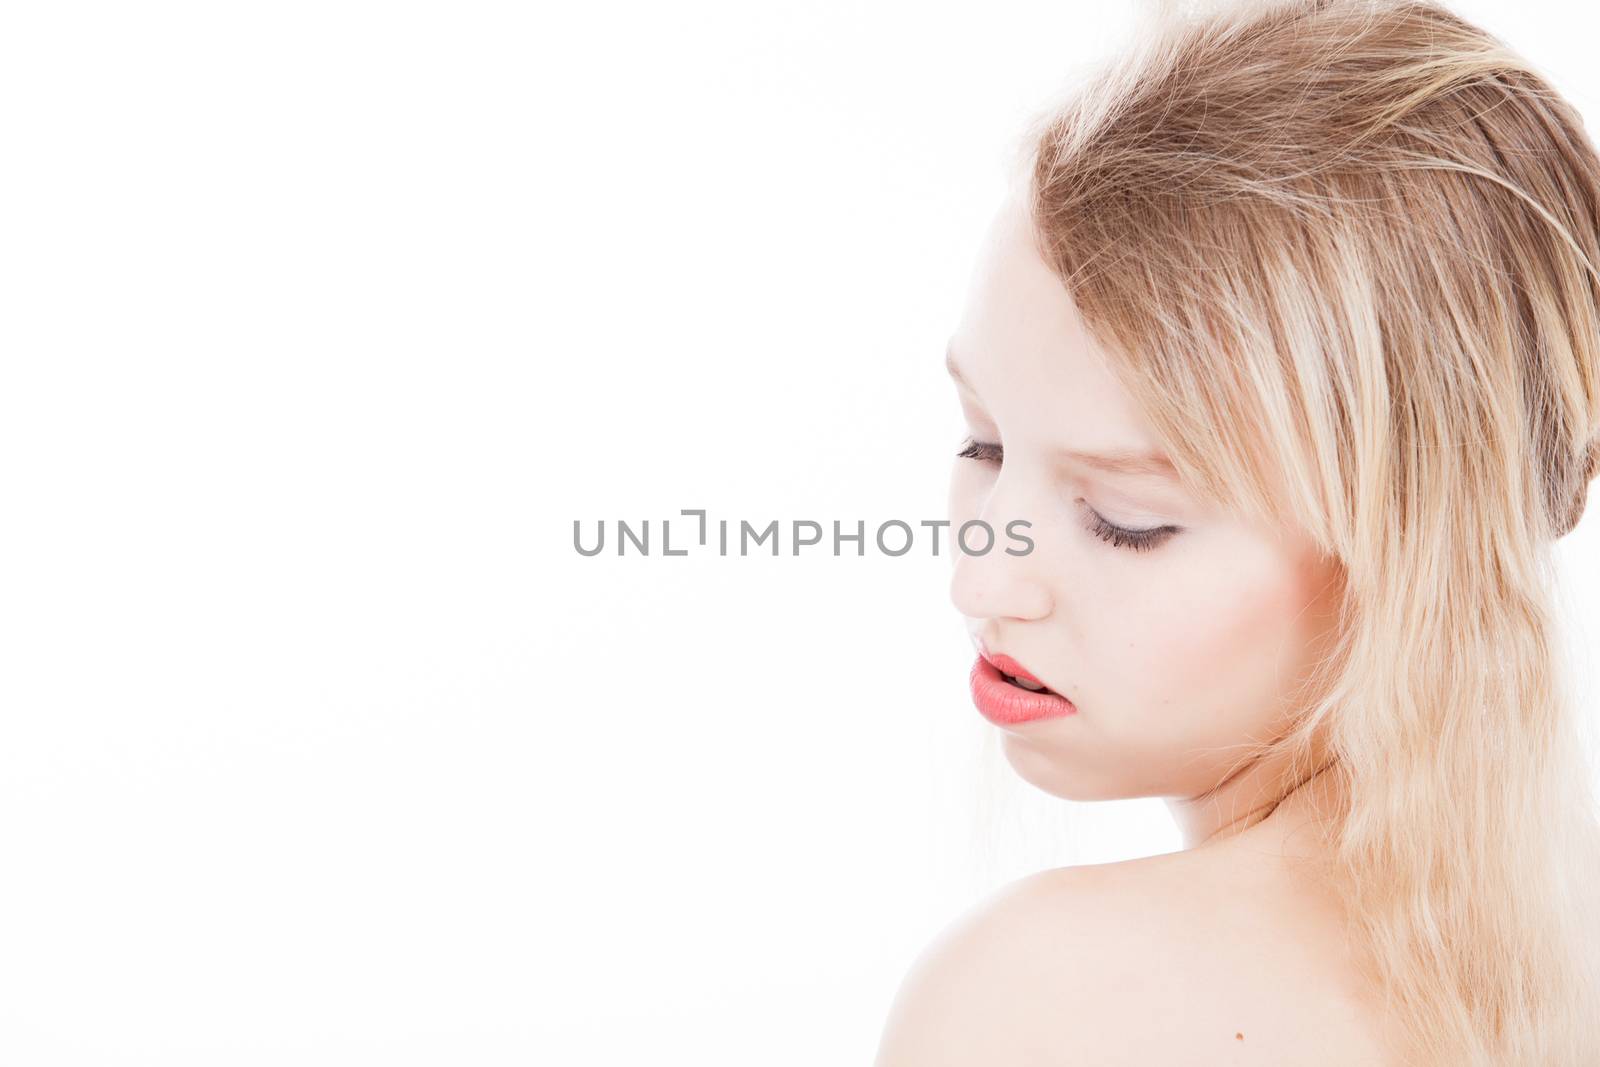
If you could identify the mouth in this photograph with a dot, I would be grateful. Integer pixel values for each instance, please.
(1015, 673)
(1008, 695)
(1032, 687)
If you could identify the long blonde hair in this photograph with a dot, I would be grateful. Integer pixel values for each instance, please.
(1345, 255)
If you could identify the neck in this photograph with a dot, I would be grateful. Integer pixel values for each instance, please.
(1261, 801)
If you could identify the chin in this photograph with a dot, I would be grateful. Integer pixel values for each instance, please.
(1040, 768)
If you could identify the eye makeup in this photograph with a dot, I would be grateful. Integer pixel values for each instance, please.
(1117, 536)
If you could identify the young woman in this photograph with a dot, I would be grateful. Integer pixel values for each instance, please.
(1287, 345)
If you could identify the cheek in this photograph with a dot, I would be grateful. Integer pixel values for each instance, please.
(1208, 655)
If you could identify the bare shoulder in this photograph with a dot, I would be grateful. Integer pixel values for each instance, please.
(1159, 960)
(983, 989)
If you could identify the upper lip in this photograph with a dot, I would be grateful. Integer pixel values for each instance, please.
(1006, 665)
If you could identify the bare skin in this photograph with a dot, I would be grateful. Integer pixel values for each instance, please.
(1176, 656)
(1221, 954)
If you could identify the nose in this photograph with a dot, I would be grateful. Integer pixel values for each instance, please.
(997, 583)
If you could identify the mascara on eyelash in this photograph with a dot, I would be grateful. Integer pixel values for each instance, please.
(1109, 532)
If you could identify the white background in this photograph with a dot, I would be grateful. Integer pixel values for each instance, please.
(322, 323)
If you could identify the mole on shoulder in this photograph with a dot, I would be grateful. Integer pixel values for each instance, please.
(1239, 1037)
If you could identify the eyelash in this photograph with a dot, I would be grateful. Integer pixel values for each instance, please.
(1117, 536)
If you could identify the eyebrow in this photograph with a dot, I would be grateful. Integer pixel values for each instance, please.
(1119, 461)
(1122, 461)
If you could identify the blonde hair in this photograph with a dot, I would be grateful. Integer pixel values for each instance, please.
(1343, 254)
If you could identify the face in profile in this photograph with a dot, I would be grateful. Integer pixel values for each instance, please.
(1178, 633)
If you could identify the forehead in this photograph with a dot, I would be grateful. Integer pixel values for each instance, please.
(1027, 357)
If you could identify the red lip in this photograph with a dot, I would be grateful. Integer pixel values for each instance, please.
(1007, 665)
(1005, 704)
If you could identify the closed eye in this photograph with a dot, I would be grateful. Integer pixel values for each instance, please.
(1112, 534)
(982, 451)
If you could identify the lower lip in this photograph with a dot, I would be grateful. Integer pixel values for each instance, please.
(1005, 704)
